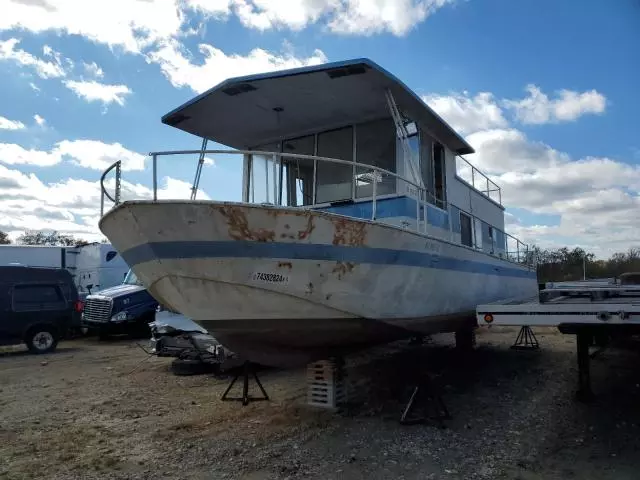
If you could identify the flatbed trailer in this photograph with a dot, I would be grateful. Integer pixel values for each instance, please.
(595, 313)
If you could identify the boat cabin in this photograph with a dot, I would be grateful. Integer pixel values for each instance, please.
(350, 138)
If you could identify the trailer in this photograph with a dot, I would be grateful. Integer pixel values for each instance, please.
(595, 312)
(94, 266)
(98, 266)
(37, 256)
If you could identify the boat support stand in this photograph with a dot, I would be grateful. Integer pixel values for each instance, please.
(247, 370)
(426, 397)
(526, 340)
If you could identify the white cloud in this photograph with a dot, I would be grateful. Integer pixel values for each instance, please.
(93, 91)
(594, 198)
(43, 68)
(217, 65)
(213, 8)
(69, 205)
(92, 69)
(39, 120)
(34, 86)
(47, 51)
(367, 17)
(13, 154)
(361, 17)
(537, 108)
(268, 14)
(134, 25)
(130, 24)
(98, 155)
(467, 114)
(91, 154)
(6, 124)
(500, 151)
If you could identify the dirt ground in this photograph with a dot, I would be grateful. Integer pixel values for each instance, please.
(82, 413)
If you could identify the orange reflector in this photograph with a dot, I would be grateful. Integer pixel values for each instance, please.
(488, 318)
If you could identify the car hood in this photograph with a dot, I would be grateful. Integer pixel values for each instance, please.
(117, 291)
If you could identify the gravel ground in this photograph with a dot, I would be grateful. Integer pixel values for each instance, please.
(81, 413)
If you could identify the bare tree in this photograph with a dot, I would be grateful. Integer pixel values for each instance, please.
(4, 239)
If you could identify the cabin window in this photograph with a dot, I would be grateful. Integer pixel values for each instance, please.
(111, 255)
(261, 175)
(375, 145)
(439, 175)
(466, 234)
(334, 181)
(297, 183)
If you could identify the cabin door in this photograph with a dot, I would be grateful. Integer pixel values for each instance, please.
(466, 234)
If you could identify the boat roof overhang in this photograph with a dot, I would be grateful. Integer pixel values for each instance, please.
(246, 112)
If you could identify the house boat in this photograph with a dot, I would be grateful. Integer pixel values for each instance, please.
(360, 222)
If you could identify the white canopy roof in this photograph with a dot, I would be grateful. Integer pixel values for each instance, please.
(246, 112)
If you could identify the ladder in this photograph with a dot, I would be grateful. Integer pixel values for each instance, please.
(196, 180)
(403, 135)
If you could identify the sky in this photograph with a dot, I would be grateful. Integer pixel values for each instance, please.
(545, 91)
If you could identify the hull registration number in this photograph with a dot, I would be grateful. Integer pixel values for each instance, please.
(270, 277)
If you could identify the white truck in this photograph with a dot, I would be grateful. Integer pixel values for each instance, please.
(98, 266)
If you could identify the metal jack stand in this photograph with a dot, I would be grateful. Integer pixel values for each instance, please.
(526, 340)
(245, 399)
(584, 339)
(430, 400)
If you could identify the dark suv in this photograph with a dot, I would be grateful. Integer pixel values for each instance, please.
(38, 306)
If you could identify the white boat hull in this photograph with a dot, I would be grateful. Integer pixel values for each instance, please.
(282, 281)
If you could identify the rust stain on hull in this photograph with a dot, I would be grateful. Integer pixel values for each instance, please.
(349, 233)
(239, 226)
(304, 234)
(288, 265)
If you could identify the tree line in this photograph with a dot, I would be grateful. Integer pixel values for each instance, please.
(44, 238)
(563, 264)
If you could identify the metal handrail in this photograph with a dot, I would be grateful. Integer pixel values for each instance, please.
(486, 192)
(117, 165)
(154, 155)
(421, 195)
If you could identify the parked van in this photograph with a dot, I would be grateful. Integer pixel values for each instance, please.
(38, 306)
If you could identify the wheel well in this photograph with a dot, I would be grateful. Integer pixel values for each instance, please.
(38, 326)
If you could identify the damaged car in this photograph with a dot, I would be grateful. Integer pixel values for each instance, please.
(194, 350)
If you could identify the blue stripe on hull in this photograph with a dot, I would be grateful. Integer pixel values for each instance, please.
(300, 251)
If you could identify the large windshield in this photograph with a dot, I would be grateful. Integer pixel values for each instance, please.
(131, 279)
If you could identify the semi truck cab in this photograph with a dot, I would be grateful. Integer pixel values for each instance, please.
(125, 308)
